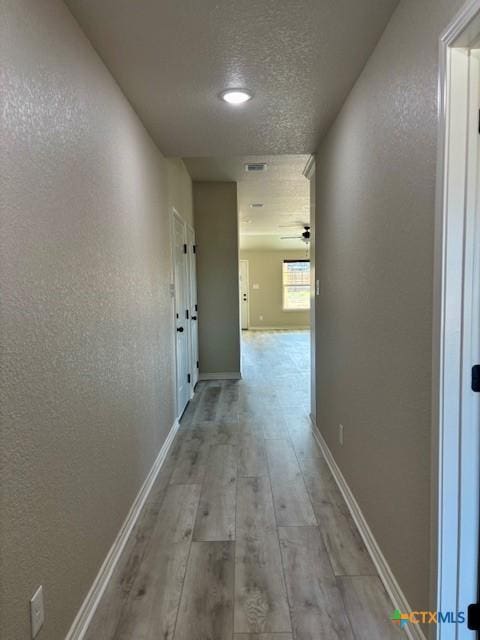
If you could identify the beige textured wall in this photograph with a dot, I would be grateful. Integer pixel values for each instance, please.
(265, 269)
(374, 245)
(216, 229)
(86, 388)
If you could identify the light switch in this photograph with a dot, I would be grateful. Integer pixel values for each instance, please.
(256, 286)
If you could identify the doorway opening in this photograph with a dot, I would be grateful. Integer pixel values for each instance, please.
(276, 260)
(457, 317)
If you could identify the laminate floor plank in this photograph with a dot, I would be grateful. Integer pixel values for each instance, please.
(216, 513)
(206, 607)
(260, 598)
(274, 426)
(344, 544)
(345, 547)
(319, 481)
(290, 497)
(208, 406)
(369, 608)
(304, 443)
(252, 460)
(191, 462)
(316, 603)
(151, 609)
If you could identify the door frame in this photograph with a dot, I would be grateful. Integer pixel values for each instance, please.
(310, 174)
(455, 454)
(192, 287)
(244, 260)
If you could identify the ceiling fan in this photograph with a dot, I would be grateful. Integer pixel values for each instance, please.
(305, 236)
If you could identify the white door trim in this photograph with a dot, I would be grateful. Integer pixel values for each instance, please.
(453, 306)
(192, 299)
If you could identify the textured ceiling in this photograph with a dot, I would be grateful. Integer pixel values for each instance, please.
(282, 189)
(173, 57)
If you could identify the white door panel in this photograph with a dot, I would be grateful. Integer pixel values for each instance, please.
(181, 308)
(244, 293)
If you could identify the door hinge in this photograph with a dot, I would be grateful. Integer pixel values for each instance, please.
(476, 378)
(198, 365)
(189, 378)
(196, 307)
(194, 248)
(184, 248)
(473, 617)
(186, 314)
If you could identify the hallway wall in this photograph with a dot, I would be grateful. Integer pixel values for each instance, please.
(216, 229)
(87, 392)
(265, 269)
(374, 246)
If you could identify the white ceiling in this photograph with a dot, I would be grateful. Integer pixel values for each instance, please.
(282, 189)
(173, 57)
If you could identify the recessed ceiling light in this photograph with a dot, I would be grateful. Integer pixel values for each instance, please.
(236, 96)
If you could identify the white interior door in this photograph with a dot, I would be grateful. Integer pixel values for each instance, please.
(181, 312)
(193, 305)
(457, 330)
(470, 401)
(244, 293)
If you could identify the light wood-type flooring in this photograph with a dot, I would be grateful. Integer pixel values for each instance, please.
(245, 535)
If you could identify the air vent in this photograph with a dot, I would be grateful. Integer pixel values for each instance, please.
(255, 167)
(256, 205)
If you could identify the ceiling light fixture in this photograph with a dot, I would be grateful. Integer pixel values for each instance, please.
(236, 96)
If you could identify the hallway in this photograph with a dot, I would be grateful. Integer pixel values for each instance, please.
(245, 534)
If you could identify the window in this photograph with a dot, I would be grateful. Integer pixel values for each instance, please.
(296, 285)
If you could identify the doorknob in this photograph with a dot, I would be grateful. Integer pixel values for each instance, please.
(180, 329)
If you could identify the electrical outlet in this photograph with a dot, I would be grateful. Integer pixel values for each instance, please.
(37, 612)
(260, 317)
(340, 434)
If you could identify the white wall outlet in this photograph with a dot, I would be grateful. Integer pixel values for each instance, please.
(37, 612)
(260, 317)
(340, 434)
(256, 286)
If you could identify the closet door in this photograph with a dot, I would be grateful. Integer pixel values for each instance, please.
(180, 269)
(193, 305)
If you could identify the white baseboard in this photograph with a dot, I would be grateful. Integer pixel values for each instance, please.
(399, 601)
(222, 375)
(287, 328)
(85, 614)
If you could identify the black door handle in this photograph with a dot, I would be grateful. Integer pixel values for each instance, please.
(180, 329)
(194, 317)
